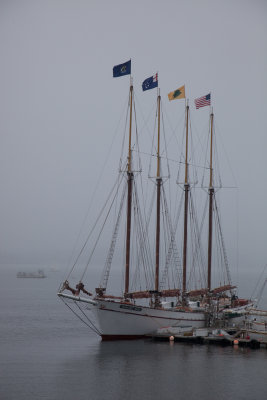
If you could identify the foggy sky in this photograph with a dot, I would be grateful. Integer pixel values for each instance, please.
(59, 108)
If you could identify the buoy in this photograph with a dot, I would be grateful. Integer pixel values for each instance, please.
(236, 341)
(171, 338)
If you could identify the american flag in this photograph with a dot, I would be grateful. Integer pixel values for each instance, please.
(203, 101)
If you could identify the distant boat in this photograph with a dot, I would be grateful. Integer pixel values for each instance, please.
(37, 274)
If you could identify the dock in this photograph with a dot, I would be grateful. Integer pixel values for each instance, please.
(210, 337)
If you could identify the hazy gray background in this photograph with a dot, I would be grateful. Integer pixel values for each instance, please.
(59, 108)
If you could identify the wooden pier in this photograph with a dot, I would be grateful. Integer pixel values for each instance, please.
(222, 339)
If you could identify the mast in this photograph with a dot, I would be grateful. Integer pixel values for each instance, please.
(159, 183)
(211, 195)
(186, 190)
(129, 201)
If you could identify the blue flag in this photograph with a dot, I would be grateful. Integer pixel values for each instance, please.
(122, 69)
(150, 83)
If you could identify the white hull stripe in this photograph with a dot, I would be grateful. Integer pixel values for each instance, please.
(151, 316)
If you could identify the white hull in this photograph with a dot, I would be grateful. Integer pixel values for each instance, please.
(257, 331)
(118, 320)
(257, 315)
(237, 315)
(257, 335)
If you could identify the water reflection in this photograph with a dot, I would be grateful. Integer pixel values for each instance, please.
(149, 370)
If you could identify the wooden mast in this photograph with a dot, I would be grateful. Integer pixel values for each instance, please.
(159, 182)
(129, 201)
(211, 194)
(186, 190)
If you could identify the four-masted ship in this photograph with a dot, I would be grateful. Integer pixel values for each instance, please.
(135, 314)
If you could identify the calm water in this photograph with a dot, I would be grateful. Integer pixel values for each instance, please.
(46, 353)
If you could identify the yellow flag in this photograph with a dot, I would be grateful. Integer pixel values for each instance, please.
(177, 94)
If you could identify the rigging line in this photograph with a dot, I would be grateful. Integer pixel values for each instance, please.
(204, 273)
(173, 130)
(197, 253)
(168, 166)
(147, 224)
(217, 248)
(197, 258)
(164, 136)
(148, 117)
(134, 242)
(221, 250)
(199, 143)
(172, 247)
(143, 254)
(217, 187)
(90, 233)
(176, 201)
(88, 319)
(106, 271)
(139, 166)
(124, 136)
(194, 174)
(222, 242)
(116, 203)
(122, 261)
(224, 148)
(206, 162)
(78, 316)
(147, 260)
(95, 190)
(259, 281)
(145, 198)
(237, 232)
(101, 230)
(192, 271)
(179, 172)
(153, 146)
(192, 250)
(143, 237)
(165, 233)
(172, 159)
(169, 238)
(193, 243)
(137, 273)
(216, 162)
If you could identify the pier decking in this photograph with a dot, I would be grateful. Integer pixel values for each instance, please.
(208, 336)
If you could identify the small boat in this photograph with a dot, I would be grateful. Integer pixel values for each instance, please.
(37, 274)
